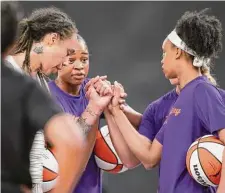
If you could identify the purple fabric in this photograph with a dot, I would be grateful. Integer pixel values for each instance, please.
(199, 110)
(91, 180)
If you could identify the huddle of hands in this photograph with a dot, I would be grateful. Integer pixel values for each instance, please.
(104, 95)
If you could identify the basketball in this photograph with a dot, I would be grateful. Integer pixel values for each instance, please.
(204, 160)
(105, 153)
(50, 170)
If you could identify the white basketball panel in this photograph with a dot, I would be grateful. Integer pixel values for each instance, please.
(47, 186)
(215, 149)
(104, 165)
(197, 171)
(49, 161)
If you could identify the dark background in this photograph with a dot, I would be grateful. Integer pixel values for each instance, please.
(124, 40)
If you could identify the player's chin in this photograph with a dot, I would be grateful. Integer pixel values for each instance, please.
(168, 75)
(76, 82)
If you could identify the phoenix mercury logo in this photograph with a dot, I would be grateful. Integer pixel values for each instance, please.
(174, 111)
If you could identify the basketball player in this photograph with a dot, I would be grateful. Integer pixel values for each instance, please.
(68, 90)
(45, 39)
(26, 109)
(199, 109)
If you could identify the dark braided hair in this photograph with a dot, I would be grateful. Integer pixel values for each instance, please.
(201, 32)
(34, 28)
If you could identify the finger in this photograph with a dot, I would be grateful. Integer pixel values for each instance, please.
(123, 95)
(108, 92)
(103, 77)
(117, 89)
(122, 107)
(122, 101)
(98, 86)
(88, 92)
(92, 81)
(107, 82)
(113, 88)
(102, 90)
(121, 87)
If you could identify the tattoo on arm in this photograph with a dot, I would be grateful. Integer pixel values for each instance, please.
(91, 112)
(82, 121)
(83, 125)
(38, 49)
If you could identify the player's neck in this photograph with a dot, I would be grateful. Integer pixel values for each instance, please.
(73, 90)
(34, 62)
(188, 74)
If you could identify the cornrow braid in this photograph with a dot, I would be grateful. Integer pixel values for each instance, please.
(34, 28)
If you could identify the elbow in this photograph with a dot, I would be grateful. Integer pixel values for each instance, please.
(150, 165)
(130, 165)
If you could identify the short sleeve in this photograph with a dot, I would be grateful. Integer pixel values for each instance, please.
(210, 107)
(160, 135)
(39, 107)
(147, 126)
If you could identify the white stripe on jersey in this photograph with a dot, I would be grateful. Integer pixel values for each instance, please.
(36, 163)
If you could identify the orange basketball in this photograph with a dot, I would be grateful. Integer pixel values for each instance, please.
(50, 170)
(204, 160)
(105, 153)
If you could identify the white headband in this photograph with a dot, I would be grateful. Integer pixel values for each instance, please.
(175, 39)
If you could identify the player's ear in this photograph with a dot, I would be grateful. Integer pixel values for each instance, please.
(178, 53)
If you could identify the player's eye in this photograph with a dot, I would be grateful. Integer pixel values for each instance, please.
(71, 61)
(84, 60)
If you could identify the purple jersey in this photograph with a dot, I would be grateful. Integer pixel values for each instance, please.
(199, 110)
(90, 181)
(155, 114)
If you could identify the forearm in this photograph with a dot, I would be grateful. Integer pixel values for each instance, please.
(122, 149)
(133, 116)
(73, 149)
(90, 115)
(137, 143)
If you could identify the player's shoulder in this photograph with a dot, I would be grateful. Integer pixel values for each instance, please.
(158, 103)
(171, 95)
(222, 92)
(206, 89)
(205, 86)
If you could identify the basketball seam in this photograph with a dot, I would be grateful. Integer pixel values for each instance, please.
(214, 157)
(211, 153)
(50, 180)
(200, 162)
(110, 149)
(212, 142)
(50, 170)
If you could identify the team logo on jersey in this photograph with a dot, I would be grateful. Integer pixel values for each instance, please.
(174, 111)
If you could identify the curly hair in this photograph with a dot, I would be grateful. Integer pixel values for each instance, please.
(37, 25)
(201, 32)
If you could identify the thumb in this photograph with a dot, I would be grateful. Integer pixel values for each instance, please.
(116, 88)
